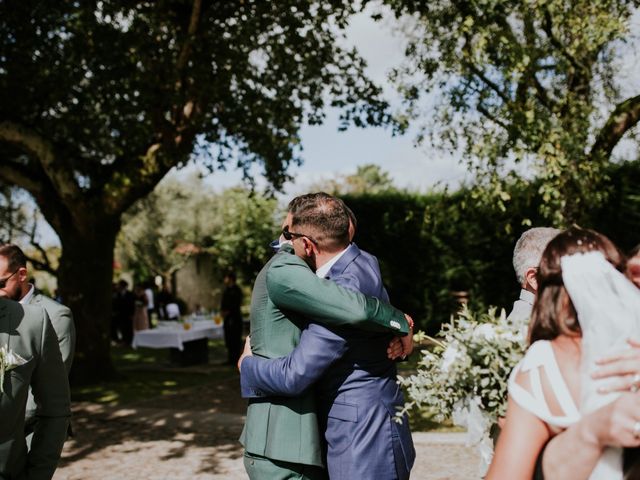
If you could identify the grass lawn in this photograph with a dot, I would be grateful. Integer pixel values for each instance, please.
(146, 373)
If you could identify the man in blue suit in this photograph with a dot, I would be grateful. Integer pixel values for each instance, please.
(354, 379)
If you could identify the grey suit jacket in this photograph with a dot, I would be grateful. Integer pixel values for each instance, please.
(62, 321)
(27, 331)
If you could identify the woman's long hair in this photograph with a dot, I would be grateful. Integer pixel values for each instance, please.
(553, 312)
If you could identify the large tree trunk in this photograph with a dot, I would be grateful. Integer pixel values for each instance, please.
(85, 283)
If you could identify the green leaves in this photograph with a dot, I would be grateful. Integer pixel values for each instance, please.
(183, 218)
(521, 84)
(106, 81)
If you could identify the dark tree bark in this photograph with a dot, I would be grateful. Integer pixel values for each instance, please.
(85, 279)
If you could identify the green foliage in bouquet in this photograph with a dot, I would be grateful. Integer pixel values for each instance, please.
(470, 363)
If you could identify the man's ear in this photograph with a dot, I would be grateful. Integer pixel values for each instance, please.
(309, 247)
(531, 281)
(22, 274)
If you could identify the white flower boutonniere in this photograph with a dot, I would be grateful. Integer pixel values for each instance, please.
(8, 361)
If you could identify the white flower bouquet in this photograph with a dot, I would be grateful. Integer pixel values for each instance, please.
(8, 361)
(464, 378)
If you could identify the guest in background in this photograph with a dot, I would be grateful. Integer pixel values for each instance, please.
(526, 258)
(140, 319)
(163, 299)
(123, 308)
(149, 292)
(230, 310)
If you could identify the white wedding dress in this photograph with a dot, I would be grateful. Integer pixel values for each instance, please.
(608, 308)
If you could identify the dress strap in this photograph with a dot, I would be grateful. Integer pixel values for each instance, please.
(540, 358)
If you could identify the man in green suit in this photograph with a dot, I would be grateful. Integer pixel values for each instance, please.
(13, 265)
(27, 333)
(281, 436)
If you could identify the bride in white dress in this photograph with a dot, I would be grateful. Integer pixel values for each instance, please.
(586, 308)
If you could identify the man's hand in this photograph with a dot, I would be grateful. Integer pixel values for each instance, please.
(395, 350)
(613, 425)
(246, 352)
(403, 346)
(625, 366)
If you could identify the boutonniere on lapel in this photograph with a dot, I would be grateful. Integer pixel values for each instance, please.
(8, 361)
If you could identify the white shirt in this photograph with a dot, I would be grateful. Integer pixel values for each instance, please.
(324, 269)
(149, 293)
(25, 300)
(523, 306)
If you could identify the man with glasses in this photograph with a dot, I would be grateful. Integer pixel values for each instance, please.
(14, 285)
(357, 398)
(32, 362)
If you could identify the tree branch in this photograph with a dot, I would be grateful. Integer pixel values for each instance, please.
(492, 85)
(44, 265)
(624, 117)
(191, 31)
(32, 143)
(15, 174)
(491, 117)
(548, 29)
(167, 148)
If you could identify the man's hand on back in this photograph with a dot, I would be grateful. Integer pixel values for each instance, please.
(407, 340)
(403, 346)
(246, 352)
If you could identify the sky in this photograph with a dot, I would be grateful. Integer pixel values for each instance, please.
(328, 153)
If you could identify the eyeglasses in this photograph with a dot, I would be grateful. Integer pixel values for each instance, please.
(289, 235)
(3, 282)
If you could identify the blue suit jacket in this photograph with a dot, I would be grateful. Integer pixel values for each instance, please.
(355, 384)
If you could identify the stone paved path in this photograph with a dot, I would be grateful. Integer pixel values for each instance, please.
(193, 435)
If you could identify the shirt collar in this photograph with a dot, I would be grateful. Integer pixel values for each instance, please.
(527, 296)
(25, 300)
(324, 269)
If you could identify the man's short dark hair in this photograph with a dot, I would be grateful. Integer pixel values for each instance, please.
(15, 256)
(323, 218)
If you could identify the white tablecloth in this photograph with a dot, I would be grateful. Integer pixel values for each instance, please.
(175, 335)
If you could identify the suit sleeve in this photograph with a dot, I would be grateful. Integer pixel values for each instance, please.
(50, 388)
(291, 375)
(292, 285)
(66, 332)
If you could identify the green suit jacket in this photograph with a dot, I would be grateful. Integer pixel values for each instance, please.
(62, 322)
(27, 331)
(286, 295)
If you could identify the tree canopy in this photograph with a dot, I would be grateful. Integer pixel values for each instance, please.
(530, 81)
(102, 99)
(368, 178)
(180, 218)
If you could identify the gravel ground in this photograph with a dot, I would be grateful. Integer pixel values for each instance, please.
(193, 435)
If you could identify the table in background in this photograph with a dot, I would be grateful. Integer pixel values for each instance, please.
(187, 346)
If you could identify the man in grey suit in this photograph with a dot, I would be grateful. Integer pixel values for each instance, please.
(13, 266)
(26, 332)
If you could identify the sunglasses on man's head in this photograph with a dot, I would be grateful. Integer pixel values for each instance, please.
(290, 235)
(3, 282)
